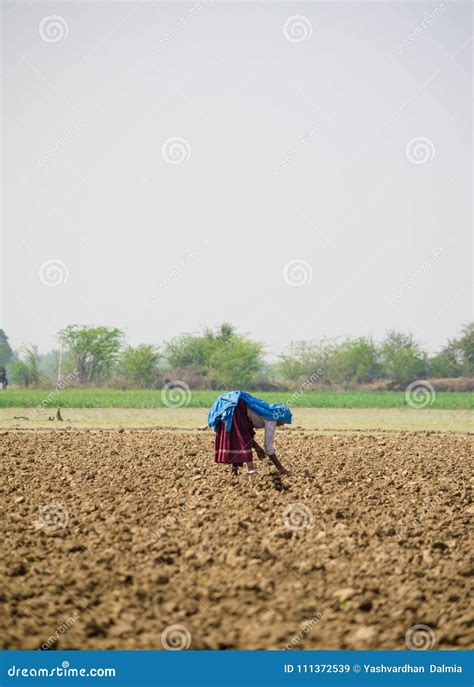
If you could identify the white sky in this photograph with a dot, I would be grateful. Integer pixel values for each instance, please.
(159, 248)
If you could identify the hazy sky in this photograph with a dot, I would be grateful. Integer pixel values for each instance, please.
(320, 183)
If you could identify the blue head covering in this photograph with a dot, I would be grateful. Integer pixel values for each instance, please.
(224, 406)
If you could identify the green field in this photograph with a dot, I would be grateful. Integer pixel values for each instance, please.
(313, 419)
(137, 398)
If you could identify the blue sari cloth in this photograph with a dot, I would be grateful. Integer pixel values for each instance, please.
(224, 406)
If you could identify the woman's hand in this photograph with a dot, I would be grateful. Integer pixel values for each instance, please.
(259, 450)
(278, 465)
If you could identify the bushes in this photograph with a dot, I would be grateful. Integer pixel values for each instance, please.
(401, 359)
(457, 357)
(391, 364)
(223, 358)
(452, 384)
(355, 361)
(93, 350)
(24, 370)
(139, 366)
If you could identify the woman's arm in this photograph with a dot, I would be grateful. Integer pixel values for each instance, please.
(270, 428)
(258, 449)
(278, 465)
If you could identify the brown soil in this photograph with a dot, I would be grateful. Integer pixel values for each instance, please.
(110, 537)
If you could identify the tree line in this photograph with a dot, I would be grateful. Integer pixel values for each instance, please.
(223, 358)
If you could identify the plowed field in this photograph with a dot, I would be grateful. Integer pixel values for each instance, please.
(135, 539)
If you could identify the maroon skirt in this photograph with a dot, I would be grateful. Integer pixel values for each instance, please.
(235, 446)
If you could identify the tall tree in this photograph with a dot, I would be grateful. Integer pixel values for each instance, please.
(225, 357)
(6, 353)
(140, 365)
(466, 344)
(402, 358)
(354, 361)
(448, 362)
(24, 370)
(94, 350)
(304, 359)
